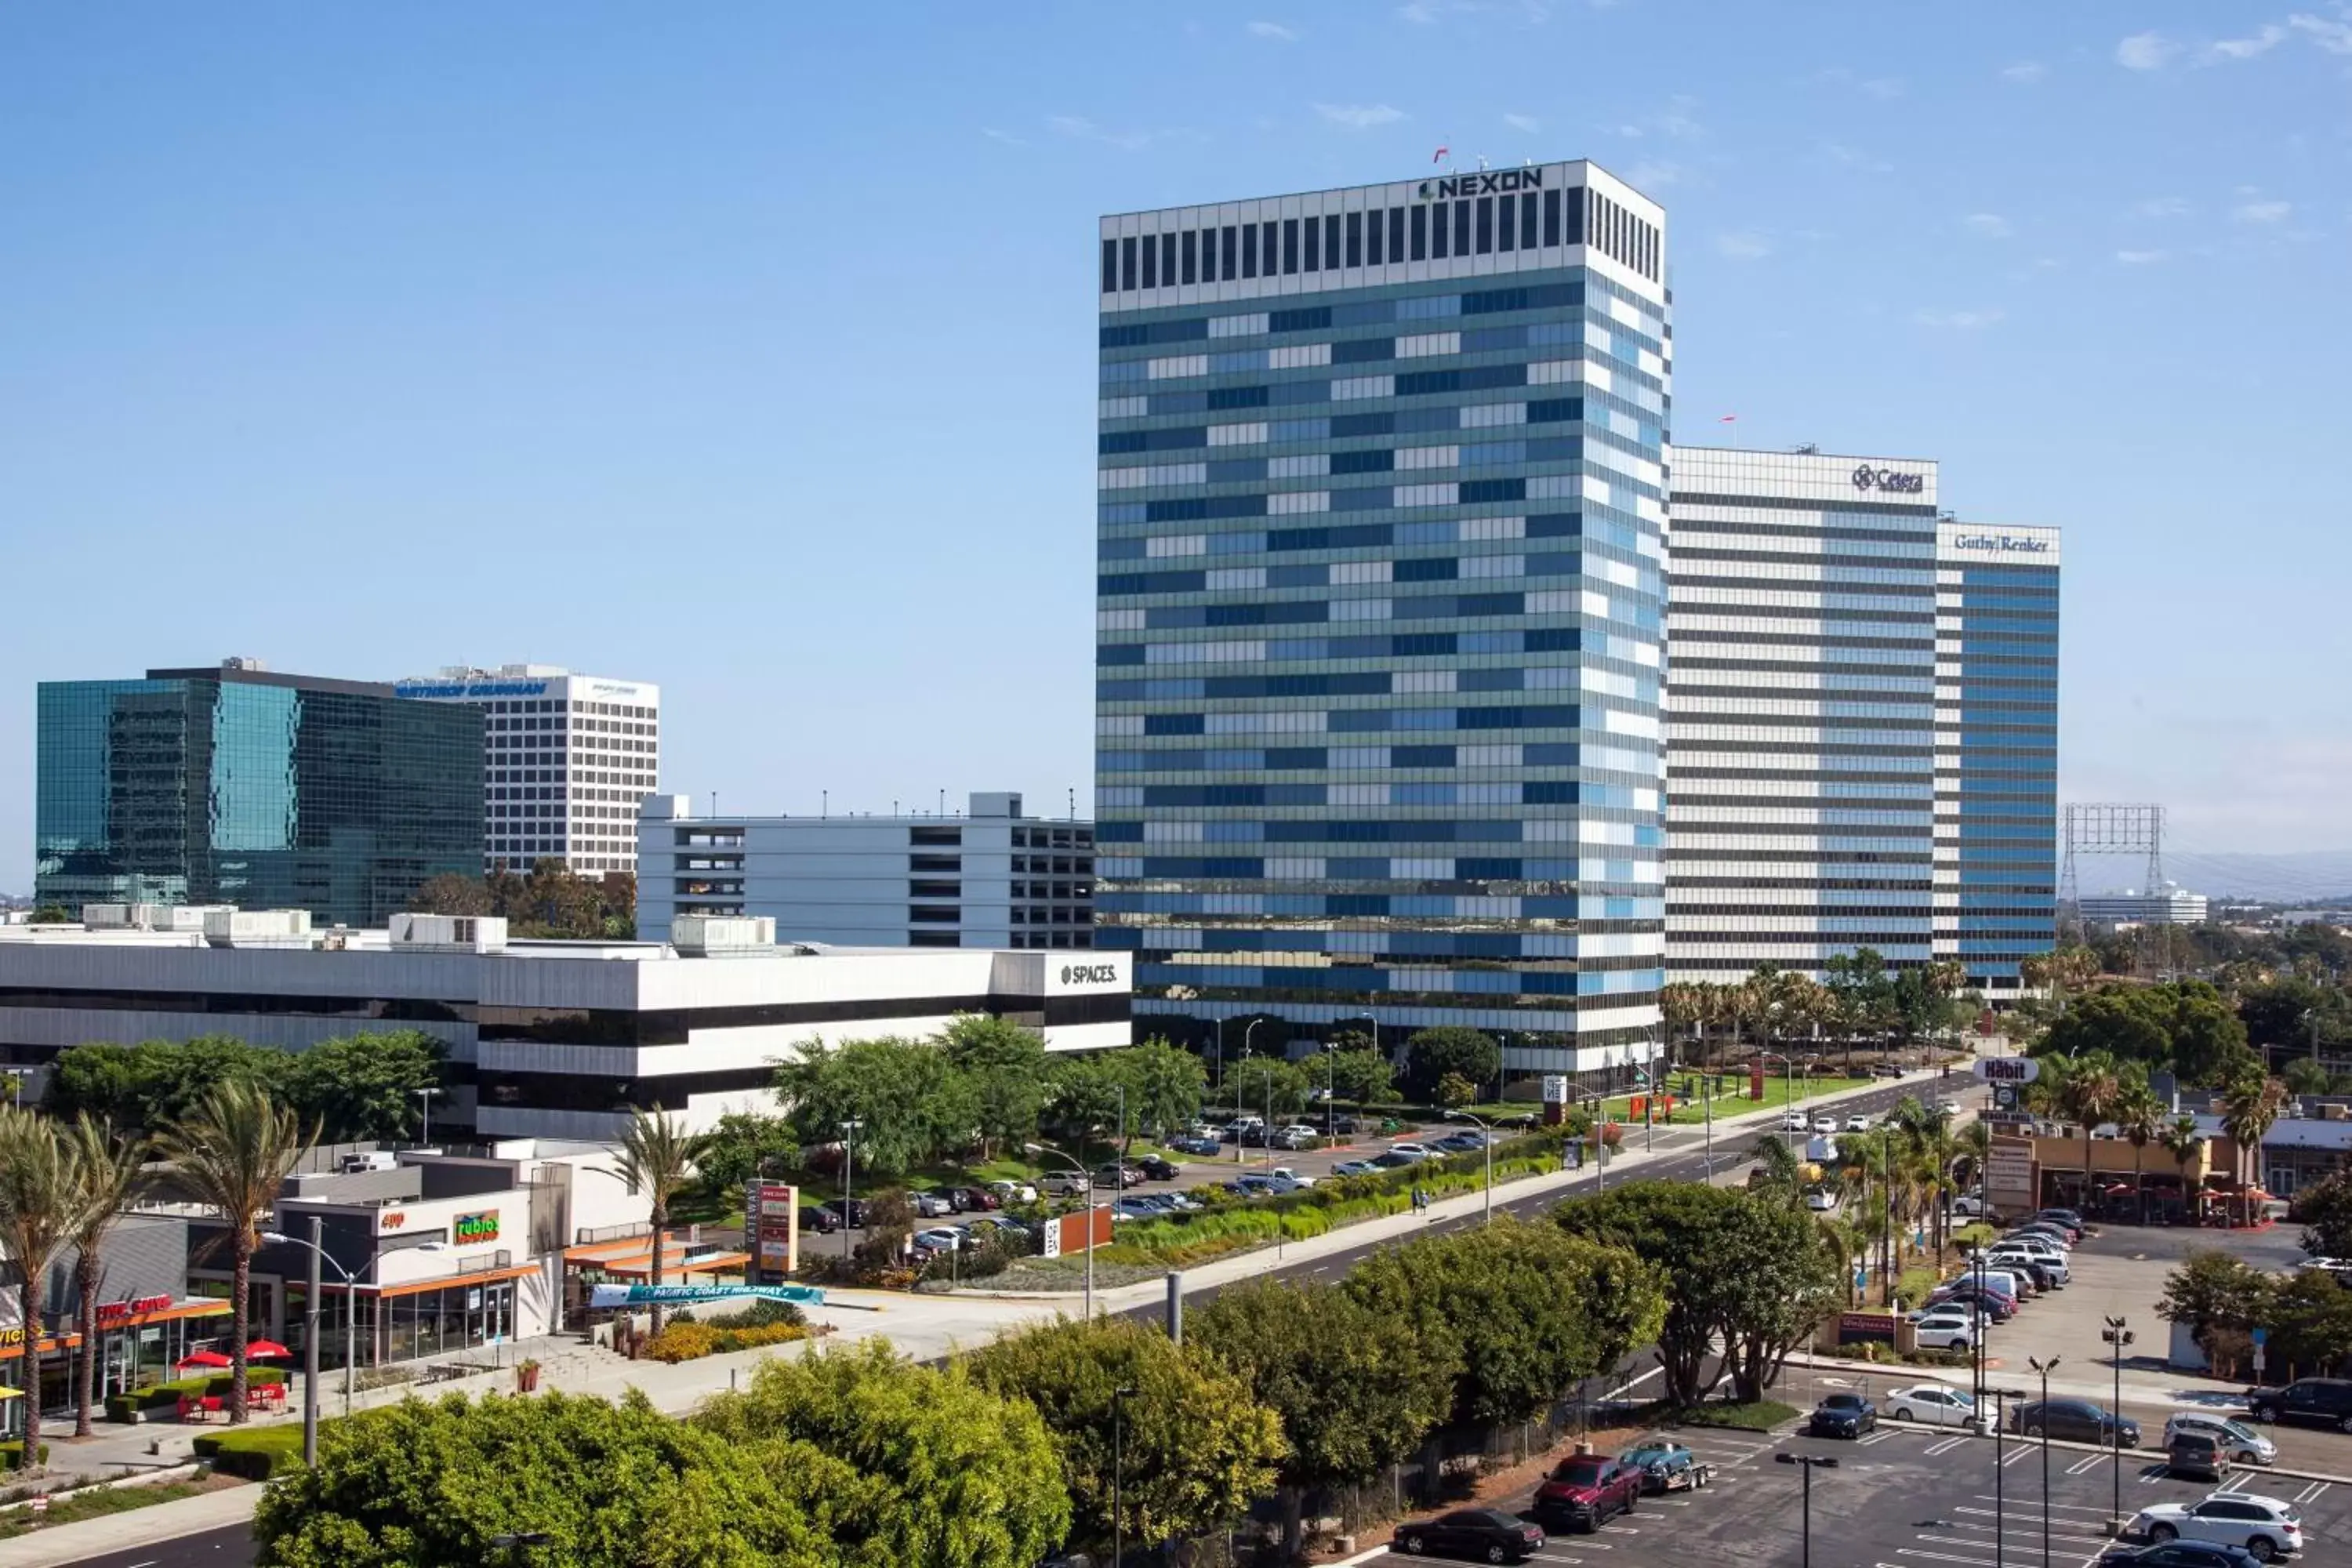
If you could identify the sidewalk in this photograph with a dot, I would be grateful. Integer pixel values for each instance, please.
(923, 1327)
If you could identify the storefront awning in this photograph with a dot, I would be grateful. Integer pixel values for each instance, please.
(678, 1267)
(457, 1281)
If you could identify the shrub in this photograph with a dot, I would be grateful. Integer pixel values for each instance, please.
(12, 1454)
(692, 1341)
(254, 1453)
(164, 1395)
(762, 1312)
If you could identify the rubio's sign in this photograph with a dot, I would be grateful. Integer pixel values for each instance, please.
(475, 1227)
(1485, 183)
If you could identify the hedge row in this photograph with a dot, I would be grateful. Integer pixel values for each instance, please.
(164, 1395)
(254, 1453)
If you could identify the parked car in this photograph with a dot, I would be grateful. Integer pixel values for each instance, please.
(1065, 1184)
(1240, 1128)
(2243, 1443)
(1825, 1124)
(1998, 1305)
(2306, 1402)
(1886, 1069)
(1397, 1159)
(2074, 1421)
(929, 1204)
(1842, 1415)
(1116, 1176)
(1665, 1467)
(1460, 1143)
(1821, 1200)
(1967, 1206)
(1134, 1206)
(939, 1238)
(1488, 1535)
(980, 1200)
(1858, 1122)
(2179, 1555)
(2042, 1276)
(1345, 1126)
(2264, 1526)
(851, 1212)
(1206, 1145)
(1932, 1404)
(1157, 1169)
(824, 1221)
(2195, 1456)
(1953, 1330)
(1014, 1191)
(1355, 1168)
(1418, 1150)
(1293, 1177)
(1796, 1121)
(1295, 1139)
(1585, 1491)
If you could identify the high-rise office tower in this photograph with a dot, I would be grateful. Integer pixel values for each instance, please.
(566, 759)
(1997, 748)
(1861, 722)
(240, 785)
(1381, 535)
(1800, 711)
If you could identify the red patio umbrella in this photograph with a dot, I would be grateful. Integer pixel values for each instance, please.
(266, 1350)
(211, 1359)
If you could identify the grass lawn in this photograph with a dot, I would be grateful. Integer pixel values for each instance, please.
(97, 1502)
(1777, 1096)
(1761, 1416)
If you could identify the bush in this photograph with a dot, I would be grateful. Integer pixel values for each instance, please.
(253, 1453)
(164, 1395)
(762, 1312)
(12, 1454)
(691, 1342)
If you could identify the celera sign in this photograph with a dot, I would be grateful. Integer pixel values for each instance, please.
(1089, 974)
(1867, 478)
(2008, 1070)
(2003, 541)
(601, 1296)
(1485, 183)
(475, 1227)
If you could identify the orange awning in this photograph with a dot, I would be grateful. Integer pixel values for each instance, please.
(452, 1281)
(680, 1267)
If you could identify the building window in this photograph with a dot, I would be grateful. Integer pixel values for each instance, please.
(1127, 262)
(1437, 232)
(934, 938)
(1355, 239)
(1110, 266)
(1191, 243)
(1486, 225)
(1225, 269)
(1314, 262)
(1372, 236)
(934, 914)
(1331, 242)
(1249, 250)
(1150, 262)
(1461, 228)
(1420, 233)
(1396, 234)
(1166, 261)
(934, 836)
(1527, 221)
(915, 890)
(1505, 224)
(1290, 245)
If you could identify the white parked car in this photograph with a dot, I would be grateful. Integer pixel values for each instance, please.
(1945, 1329)
(2011, 1257)
(1795, 1122)
(1858, 1122)
(1931, 1405)
(1418, 1150)
(1014, 1191)
(1826, 1126)
(2264, 1526)
(1292, 1176)
(2240, 1444)
(1820, 1200)
(939, 1238)
(1967, 1206)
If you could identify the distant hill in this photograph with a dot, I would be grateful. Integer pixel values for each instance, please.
(2316, 876)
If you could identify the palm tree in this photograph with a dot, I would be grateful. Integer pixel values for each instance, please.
(2249, 1105)
(655, 1157)
(2138, 1115)
(1780, 1164)
(2183, 1141)
(40, 1206)
(106, 1170)
(234, 1152)
(2088, 1098)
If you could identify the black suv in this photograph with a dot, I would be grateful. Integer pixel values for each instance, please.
(2311, 1400)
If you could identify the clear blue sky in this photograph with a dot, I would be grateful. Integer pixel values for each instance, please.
(749, 348)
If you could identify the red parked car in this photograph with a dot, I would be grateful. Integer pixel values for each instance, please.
(1587, 1490)
(980, 1198)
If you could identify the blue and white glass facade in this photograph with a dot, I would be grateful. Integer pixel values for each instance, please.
(1802, 713)
(1997, 738)
(1381, 529)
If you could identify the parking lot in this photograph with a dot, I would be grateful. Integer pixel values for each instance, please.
(1909, 1498)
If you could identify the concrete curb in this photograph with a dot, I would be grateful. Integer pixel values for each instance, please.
(69, 1543)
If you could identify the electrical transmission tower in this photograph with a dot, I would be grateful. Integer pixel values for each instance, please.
(2105, 828)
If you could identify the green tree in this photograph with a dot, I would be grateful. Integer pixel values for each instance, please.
(1455, 1091)
(50, 915)
(2092, 1087)
(1083, 1099)
(2121, 1024)
(946, 1472)
(1164, 1086)
(452, 893)
(364, 1086)
(655, 1157)
(611, 1485)
(2139, 1117)
(1431, 1054)
(2304, 1076)
(1195, 1449)
(738, 1146)
(2324, 1209)
(157, 1082)
(2213, 1291)
(1270, 1087)
(1526, 1311)
(1781, 1283)
(2250, 1105)
(40, 1210)
(1355, 1389)
(912, 1103)
(2310, 1320)
(233, 1154)
(1003, 1067)
(107, 1169)
(1361, 1075)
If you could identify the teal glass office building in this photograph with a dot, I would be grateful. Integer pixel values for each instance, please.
(240, 785)
(1381, 517)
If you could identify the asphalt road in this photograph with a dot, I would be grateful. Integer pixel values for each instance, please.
(232, 1546)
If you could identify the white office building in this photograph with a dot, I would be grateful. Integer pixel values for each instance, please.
(565, 760)
(2170, 904)
(992, 877)
(547, 1039)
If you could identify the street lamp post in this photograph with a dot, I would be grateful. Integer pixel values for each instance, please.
(2119, 1334)
(849, 1130)
(425, 1107)
(350, 1317)
(2001, 1469)
(1119, 1398)
(1809, 1463)
(1080, 1172)
(310, 1350)
(2044, 1368)
(1249, 1029)
(1488, 1132)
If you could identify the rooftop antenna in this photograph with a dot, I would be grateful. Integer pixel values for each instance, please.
(1808, 448)
(943, 803)
(824, 803)
(1482, 160)
(1074, 803)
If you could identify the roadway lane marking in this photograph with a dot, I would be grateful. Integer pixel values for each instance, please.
(2085, 1466)
(1875, 1437)
(2023, 1453)
(2024, 1518)
(1946, 1447)
(2059, 1507)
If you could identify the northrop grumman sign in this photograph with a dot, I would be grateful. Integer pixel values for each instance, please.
(1486, 182)
(2008, 1070)
(1867, 478)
